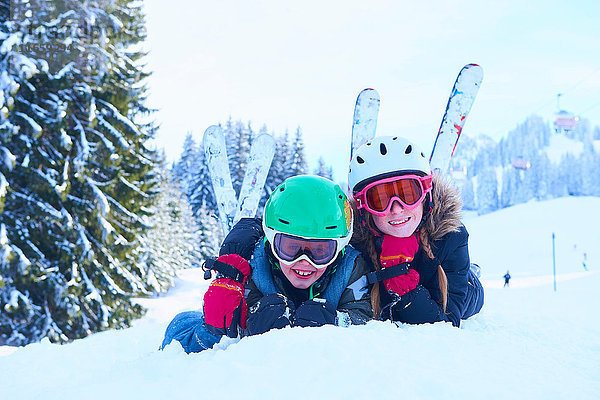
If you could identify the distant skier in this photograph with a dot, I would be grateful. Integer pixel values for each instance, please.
(302, 274)
(506, 278)
(584, 262)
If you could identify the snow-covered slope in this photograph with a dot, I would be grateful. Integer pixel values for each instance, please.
(560, 145)
(528, 342)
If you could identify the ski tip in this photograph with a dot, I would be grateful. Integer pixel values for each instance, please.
(211, 130)
(212, 133)
(475, 70)
(369, 92)
(265, 137)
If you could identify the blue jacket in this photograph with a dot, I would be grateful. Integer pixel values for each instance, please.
(341, 286)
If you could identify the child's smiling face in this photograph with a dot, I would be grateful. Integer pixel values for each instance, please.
(301, 274)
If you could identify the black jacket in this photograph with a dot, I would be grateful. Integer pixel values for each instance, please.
(465, 294)
(448, 239)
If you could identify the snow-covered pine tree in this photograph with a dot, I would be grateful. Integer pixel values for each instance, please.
(468, 196)
(323, 170)
(279, 166)
(173, 242)
(34, 223)
(200, 190)
(82, 177)
(568, 172)
(238, 138)
(184, 167)
(487, 191)
(596, 182)
(588, 164)
(509, 185)
(583, 131)
(541, 172)
(297, 159)
(123, 174)
(210, 234)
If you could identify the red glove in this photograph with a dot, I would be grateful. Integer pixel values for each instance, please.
(224, 304)
(394, 251)
(402, 284)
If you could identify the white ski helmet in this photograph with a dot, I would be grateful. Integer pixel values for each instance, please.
(383, 157)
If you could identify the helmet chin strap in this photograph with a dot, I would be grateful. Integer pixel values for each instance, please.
(363, 221)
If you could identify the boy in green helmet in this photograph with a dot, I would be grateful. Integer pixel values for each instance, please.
(303, 273)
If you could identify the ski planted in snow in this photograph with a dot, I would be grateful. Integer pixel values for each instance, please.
(261, 155)
(459, 104)
(364, 122)
(215, 151)
(257, 169)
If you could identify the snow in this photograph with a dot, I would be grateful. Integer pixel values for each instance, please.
(8, 158)
(37, 129)
(560, 145)
(9, 42)
(3, 186)
(114, 132)
(528, 341)
(100, 198)
(132, 186)
(124, 120)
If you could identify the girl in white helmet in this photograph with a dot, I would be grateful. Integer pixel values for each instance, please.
(409, 225)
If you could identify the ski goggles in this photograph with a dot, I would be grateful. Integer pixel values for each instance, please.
(290, 249)
(409, 190)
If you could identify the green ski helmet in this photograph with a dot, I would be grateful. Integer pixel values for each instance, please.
(311, 207)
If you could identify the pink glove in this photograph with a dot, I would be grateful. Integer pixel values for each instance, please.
(224, 304)
(402, 284)
(394, 251)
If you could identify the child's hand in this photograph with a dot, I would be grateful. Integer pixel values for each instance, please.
(242, 238)
(402, 284)
(316, 312)
(273, 311)
(224, 304)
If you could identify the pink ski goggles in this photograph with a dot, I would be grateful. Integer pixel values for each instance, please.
(409, 190)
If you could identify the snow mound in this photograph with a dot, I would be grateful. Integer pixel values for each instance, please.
(528, 341)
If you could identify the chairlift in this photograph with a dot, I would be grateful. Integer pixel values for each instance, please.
(458, 173)
(521, 163)
(564, 121)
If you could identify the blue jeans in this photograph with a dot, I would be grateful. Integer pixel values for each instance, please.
(474, 300)
(189, 329)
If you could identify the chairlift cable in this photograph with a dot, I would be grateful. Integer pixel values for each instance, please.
(589, 108)
(580, 82)
(571, 88)
(562, 93)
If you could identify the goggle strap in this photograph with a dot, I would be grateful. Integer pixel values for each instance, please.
(224, 269)
(427, 182)
(387, 273)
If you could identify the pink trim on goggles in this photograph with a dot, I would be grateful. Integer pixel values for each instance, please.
(393, 193)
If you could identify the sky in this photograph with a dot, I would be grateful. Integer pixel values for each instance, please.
(284, 65)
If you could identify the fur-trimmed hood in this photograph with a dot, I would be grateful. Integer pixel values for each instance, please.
(447, 209)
